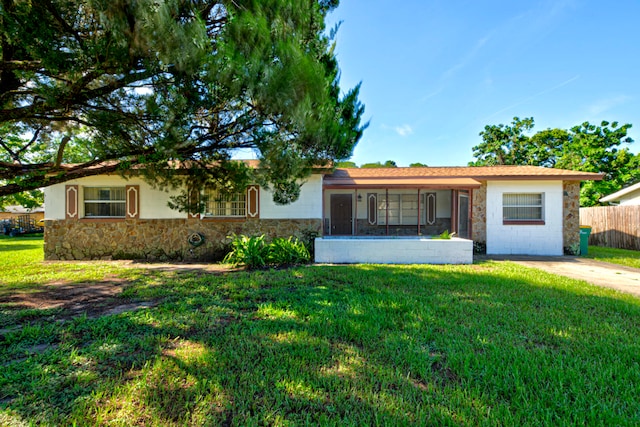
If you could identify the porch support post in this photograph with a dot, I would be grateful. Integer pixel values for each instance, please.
(322, 215)
(454, 211)
(419, 216)
(470, 227)
(386, 209)
(354, 222)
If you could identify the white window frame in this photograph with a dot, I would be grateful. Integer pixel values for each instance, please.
(525, 204)
(87, 201)
(220, 205)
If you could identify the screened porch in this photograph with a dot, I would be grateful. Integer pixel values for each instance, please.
(389, 211)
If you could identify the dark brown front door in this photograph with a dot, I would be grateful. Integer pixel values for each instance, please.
(341, 219)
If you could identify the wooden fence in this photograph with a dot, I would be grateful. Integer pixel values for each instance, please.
(613, 226)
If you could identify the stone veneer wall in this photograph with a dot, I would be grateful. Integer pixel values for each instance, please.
(571, 214)
(479, 214)
(159, 239)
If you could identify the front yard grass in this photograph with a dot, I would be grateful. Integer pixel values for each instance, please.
(487, 344)
(22, 268)
(616, 256)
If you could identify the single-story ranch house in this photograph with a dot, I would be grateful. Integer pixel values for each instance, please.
(360, 215)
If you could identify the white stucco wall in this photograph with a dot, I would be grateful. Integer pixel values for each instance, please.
(153, 202)
(309, 205)
(630, 199)
(525, 239)
(381, 250)
(54, 202)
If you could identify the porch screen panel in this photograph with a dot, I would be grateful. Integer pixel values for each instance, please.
(409, 211)
(401, 209)
(523, 206)
(393, 205)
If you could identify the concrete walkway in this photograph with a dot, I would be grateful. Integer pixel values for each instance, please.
(625, 279)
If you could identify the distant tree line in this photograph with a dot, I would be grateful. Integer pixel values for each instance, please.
(386, 164)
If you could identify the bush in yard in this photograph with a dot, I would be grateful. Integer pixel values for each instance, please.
(252, 252)
(288, 251)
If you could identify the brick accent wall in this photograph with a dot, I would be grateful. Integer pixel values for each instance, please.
(479, 214)
(159, 239)
(571, 214)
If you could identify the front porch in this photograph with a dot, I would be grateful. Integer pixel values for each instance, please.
(396, 219)
(397, 211)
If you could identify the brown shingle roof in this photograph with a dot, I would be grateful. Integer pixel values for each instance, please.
(476, 172)
(404, 182)
(449, 177)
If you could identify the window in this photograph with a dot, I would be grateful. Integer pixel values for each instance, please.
(225, 205)
(525, 207)
(104, 202)
(402, 209)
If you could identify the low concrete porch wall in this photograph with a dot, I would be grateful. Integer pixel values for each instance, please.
(393, 250)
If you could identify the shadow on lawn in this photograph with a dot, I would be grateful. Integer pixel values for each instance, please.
(21, 247)
(362, 345)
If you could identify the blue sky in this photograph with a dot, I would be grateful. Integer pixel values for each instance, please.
(434, 73)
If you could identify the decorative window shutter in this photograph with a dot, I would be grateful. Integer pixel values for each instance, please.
(253, 201)
(71, 202)
(194, 199)
(372, 208)
(133, 201)
(430, 199)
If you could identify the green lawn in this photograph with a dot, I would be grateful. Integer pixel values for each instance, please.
(486, 344)
(615, 256)
(22, 268)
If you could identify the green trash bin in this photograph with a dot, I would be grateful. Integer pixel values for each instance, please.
(585, 232)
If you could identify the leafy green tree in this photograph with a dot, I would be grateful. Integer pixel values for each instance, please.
(346, 164)
(111, 86)
(593, 148)
(587, 147)
(504, 144)
(28, 199)
(387, 164)
(418, 165)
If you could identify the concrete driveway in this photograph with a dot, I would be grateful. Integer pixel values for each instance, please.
(625, 279)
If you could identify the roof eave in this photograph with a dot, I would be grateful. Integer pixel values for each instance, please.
(577, 177)
(620, 193)
(401, 186)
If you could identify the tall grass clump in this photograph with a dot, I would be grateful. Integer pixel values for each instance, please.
(253, 252)
(288, 251)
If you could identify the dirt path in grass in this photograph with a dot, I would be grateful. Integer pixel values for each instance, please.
(98, 298)
(625, 279)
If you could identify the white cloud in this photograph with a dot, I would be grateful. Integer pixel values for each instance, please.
(403, 130)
